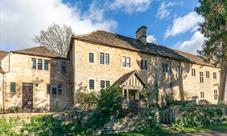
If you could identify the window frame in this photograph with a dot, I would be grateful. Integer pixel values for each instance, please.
(34, 63)
(207, 74)
(45, 64)
(105, 83)
(165, 68)
(89, 85)
(201, 77)
(126, 62)
(193, 72)
(63, 67)
(40, 63)
(91, 55)
(202, 95)
(215, 94)
(13, 87)
(214, 75)
(143, 64)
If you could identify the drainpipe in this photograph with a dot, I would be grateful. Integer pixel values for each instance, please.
(3, 86)
(3, 93)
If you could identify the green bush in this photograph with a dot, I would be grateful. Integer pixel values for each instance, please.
(201, 116)
(7, 126)
(150, 125)
(14, 109)
(45, 125)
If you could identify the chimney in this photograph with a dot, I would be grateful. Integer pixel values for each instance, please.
(141, 34)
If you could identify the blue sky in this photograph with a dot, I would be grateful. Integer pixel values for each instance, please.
(172, 23)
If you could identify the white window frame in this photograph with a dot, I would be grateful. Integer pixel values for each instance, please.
(105, 80)
(89, 84)
(89, 57)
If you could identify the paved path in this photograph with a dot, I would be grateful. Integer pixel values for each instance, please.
(213, 133)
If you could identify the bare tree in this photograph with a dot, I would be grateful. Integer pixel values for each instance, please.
(56, 38)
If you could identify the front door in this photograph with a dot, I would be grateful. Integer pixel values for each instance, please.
(27, 96)
(132, 95)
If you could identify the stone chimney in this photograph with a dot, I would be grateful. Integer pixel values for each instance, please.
(141, 34)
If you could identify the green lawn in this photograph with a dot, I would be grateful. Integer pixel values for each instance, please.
(172, 131)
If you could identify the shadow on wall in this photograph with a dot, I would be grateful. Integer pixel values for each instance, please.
(61, 95)
(170, 83)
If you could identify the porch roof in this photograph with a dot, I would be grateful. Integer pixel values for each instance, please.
(127, 76)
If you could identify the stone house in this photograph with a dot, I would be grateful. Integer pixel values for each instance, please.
(36, 79)
(100, 59)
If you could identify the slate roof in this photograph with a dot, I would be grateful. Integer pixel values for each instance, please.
(37, 51)
(126, 76)
(120, 41)
(3, 54)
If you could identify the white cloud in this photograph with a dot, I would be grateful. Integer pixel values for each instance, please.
(191, 45)
(22, 19)
(164, 11)
(130, 6)
(151, 39)
(183, 24)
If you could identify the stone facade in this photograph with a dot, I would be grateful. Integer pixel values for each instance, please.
(112, 58)
(18, 70)
(183, 86)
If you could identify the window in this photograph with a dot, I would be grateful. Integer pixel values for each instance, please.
(165, 67)
(12, 87)
(126, 62)
(179, 70)
(215, 94)
(40, 64)
(91, 84)
(48, 88)
(54, 89)
(107, 58)
(33, 63)
(91, 57)
(201, 77)
(63, 67)
(143, 64)
(193, 72)
(201, 94)
(207, 74)
(59, 89)
(215, 75)
(104, 58)
(104, 84)
(46, 64)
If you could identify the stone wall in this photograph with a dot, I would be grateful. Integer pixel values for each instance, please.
(182, 87)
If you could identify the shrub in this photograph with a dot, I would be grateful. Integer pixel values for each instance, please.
(14, 109)
(7, 126)
(201, 116)
(45, 125)
(150, 126)
(110, 100)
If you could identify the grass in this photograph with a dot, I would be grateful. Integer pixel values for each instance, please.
(219, 128)
(174, 130)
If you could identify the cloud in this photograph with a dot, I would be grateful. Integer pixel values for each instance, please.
(183, 24)
(21, 20)
(164, 11)
(151, 39)
(191, 45)
(130, 6)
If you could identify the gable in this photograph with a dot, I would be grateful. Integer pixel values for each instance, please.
(131, 79)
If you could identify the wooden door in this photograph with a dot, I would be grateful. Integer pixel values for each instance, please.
(132, 95)
(27, 96)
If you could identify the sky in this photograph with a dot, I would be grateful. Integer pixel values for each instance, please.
(171, 23)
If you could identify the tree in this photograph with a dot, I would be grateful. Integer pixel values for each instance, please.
(56, 38)
(215, 29)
